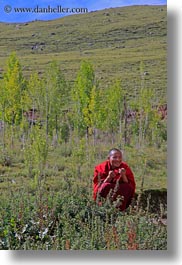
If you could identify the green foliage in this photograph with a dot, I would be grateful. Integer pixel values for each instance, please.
(65, 132)
(114, 106)
(13, 89)
(36, 151)
(73, 222)
(35, 94)
(83, 95)
(145, 125)
(115, 44)
(56, 97)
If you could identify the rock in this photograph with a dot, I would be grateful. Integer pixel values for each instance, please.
(152, 200)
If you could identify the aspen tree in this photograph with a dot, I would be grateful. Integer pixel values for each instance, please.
(14, 86)
(56, 99)
(82, 97)
(12, 93)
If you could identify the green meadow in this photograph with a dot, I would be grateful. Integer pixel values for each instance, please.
(94, 81)
(115, 40)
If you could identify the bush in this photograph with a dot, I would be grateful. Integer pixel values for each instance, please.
(73, 221)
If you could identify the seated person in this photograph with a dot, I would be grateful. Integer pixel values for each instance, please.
(114, 177)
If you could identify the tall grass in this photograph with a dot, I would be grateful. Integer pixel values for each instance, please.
(52, 221)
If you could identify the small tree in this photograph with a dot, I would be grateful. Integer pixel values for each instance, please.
(114, 108)
(83, 97)
(56, 98)
(35, 154)
(13, 90)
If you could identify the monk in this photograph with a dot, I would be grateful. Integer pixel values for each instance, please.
(114, 178)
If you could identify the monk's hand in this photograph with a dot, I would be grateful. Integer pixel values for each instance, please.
(122, 172)
(110, 176)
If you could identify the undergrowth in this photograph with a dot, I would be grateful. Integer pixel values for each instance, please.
(62, 221)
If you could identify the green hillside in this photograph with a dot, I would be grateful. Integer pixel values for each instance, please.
(56, 126)
(115, 40)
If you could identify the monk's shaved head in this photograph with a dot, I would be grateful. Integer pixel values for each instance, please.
(114, 150)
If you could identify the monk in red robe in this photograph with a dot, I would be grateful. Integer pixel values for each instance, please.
(114, 178)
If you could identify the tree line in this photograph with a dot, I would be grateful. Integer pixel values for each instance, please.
(84, 110)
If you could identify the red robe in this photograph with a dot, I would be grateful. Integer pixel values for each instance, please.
(100, 174)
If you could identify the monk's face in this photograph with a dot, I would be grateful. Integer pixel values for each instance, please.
(115, 159)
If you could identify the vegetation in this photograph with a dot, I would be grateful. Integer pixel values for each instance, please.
(114, 40)
(57, 125)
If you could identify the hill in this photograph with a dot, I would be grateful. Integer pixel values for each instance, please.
(115, 40)
(52, 135)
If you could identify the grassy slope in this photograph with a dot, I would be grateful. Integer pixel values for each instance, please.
(115, 40)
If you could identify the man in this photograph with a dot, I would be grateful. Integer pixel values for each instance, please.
(114, 178)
